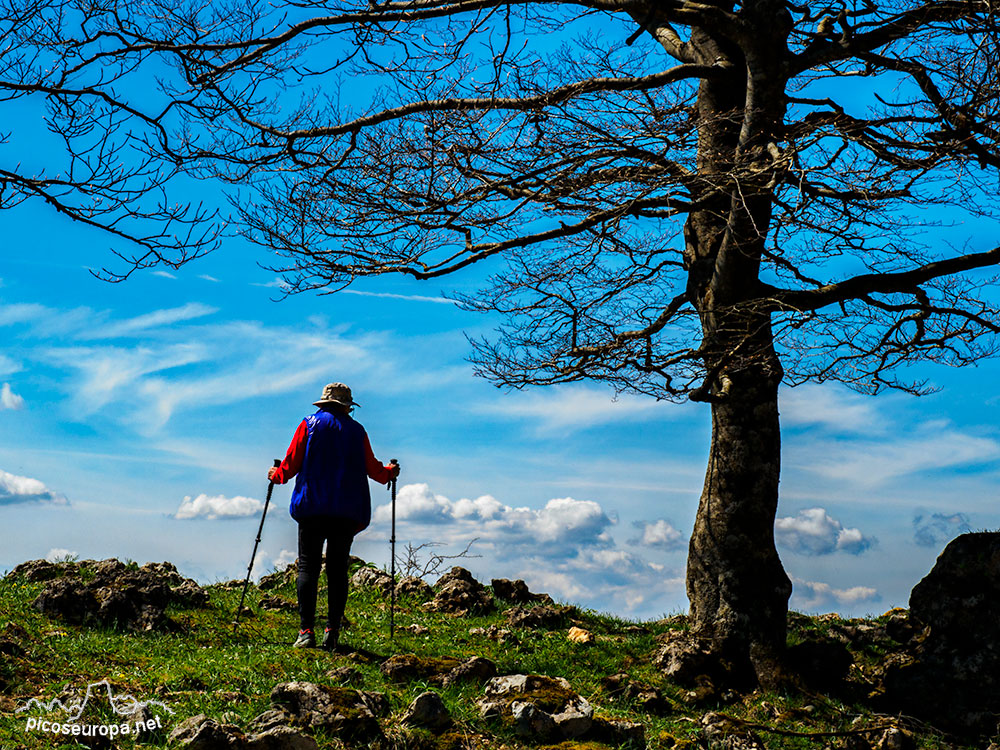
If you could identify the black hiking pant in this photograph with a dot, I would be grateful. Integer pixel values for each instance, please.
(338, 533)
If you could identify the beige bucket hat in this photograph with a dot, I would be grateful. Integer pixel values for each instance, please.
(336, 393)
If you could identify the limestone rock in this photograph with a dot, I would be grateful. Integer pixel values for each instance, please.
(721, 733)
(953, 679)
(581, 636)
(428, 711)
(202, 733)
(120, 596)
(279, 578)
(494, 633)
(540, 707)
(626, 734)
(458, 593)
(542, 616)
(516, 592)
(281, 738)
(307, 705)
(413, 587)
(43, 570)
(369, 577)
(646, 697)
(276, 603)
(683, 657)
(475, 669)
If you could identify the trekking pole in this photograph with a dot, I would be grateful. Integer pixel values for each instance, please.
(392, 565)
(260, 529)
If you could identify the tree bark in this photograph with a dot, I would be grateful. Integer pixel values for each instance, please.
(736, 584)
(735, 581)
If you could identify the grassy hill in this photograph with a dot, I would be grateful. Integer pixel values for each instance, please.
(199, 665)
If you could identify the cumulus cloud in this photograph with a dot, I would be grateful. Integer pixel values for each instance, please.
(658, 534)
(16, 489)
(59, 554)
(9, 399)
(937, 528)
(562, 520)
(285, 558)
(816, 596)
(814, 532)
(211, 507)
(564, 548)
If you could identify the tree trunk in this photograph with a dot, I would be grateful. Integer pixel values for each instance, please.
(735, 581)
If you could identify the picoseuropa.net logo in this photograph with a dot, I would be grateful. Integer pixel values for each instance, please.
(137, 717)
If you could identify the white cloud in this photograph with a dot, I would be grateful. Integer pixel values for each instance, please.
(17, 489)
(935, 529)
(562, 408)
(9, 366)
(9, 399)
(59, 554)
(211, 507)
(179, 367)
(155, 319)
(407, 297)
(21, 313)
(816, 596)
(869, 463)
(659, 534)
(562, 520)
(164, 274)
(832, 407)
(564, 548)
(814, 532)
(206, 277)
(285, 558)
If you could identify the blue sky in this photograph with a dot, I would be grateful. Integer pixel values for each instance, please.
(138, 421)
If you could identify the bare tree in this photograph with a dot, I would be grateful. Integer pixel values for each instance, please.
(75, 142)
(690, 200)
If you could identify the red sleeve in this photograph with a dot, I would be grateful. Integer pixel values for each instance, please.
(293, 459)
(376, 471)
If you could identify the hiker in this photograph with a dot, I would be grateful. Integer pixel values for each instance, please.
(332, 459)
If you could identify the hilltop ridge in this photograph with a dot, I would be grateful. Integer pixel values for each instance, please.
(471, 666)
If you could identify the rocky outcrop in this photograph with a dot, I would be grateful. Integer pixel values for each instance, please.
(543, 616)
(110, 593)
(428, 711)
(368, 577)
(203, 733)
(305, 705)
(516, 592)
(444, 671)
(952, 676)
(458, 593)
(414, 588)
(540, 708)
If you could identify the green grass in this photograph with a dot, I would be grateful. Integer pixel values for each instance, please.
(207, 668)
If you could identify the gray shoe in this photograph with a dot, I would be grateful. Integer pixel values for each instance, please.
(331, 640)
(306, 639)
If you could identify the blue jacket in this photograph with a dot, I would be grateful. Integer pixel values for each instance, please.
(333, 480)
